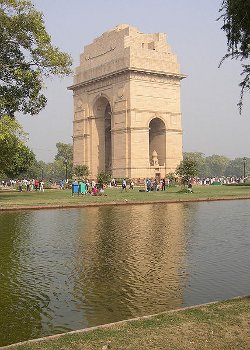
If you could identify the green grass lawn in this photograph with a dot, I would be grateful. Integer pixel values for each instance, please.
(220, 326)
(63, 197)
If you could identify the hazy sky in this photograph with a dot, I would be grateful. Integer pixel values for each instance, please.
(209, 96)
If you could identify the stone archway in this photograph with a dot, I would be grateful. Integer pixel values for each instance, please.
(103, 140)
(157, 140)
(125, 79)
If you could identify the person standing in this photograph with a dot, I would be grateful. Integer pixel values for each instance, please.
(124, 185)
(36, 184)
(163, 185)
(41, 188)
(28, 185)
(131, 185)
(20, 187)
(190, 187)
(148, 185)
(61, 185)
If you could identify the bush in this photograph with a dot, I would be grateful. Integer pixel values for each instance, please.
(103, 178)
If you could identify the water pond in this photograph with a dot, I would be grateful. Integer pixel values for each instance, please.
(68, 269)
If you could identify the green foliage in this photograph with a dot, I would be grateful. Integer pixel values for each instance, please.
(64, 152)
(187, 170)
(103, 178)
(26, 56)
(184, 190)
(22, 159)
(236, 166)
(15, 156)
(64, 159)
(37, 170)
(81, 171)
(216, 165)
(171, 177)
(199, 157)
(236, 17)
(55, 171)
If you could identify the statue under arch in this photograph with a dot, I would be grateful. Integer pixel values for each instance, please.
(127, 105)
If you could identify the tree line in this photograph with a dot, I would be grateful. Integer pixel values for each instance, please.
(218, 165)
(61, 168)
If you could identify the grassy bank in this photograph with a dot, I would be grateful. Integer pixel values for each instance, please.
(64, 198)
(224, 325)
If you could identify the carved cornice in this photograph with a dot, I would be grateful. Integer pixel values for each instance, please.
(79, 120)
(178, 131)
(152, 112)
(145, 129)
(158, 77)
(77, 137)
(130, 73)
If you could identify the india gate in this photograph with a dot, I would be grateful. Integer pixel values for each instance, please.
(127, 117)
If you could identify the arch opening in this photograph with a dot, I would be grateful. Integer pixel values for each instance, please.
(102, 113)
(157, 142)
(107, 143)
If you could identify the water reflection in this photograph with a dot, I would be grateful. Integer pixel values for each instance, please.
(70, 269)
(128, 262)
(16, 305)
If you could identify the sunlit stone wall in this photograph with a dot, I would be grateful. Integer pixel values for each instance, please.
(137, 78)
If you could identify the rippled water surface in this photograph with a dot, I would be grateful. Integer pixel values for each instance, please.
(69, 269)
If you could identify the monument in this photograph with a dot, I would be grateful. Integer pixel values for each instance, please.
(127, 118)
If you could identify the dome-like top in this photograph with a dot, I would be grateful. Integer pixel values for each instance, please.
(154, 154)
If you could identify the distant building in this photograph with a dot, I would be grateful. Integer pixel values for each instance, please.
(127, 117)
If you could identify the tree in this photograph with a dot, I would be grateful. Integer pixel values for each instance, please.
(236, 17)
(216, 165)
(26, 57)
(65, 157)
(21, 161)
(187, 170)
(81, 171)
(236, 167)
(15, 156)
(64, 152)
(103, 178)
(56, 171)
(200, 159)
(37, 170)
(171, 177)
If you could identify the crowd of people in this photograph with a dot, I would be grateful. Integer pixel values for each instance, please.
(83, 187)
(153, 184)
(24, 185)
(223, 180)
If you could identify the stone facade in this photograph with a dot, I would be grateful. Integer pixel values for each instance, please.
(127, 117)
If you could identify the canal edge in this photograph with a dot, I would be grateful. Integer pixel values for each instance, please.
(107, 325)
(126, 202)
